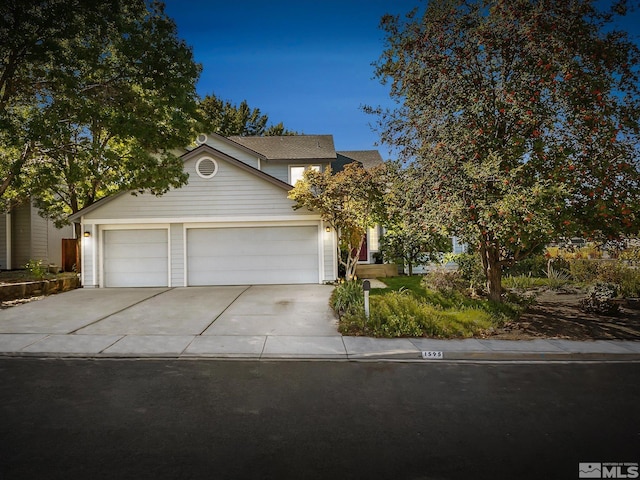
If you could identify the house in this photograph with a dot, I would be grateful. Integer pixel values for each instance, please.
(232, 224)
(25, 236)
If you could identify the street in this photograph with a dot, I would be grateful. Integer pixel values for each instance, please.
(169, 419)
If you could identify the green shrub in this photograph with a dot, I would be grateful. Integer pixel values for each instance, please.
(36, 269)
(520, 282)
(619, 273)
(557, 277)
(442, 280)
(631, 255)
(470, 269)
(585, 271)
(347, 297)
(535, 266)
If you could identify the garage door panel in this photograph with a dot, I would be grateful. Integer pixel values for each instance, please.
(140, 237)
(123, 250)
(136, 258)
(255, 255)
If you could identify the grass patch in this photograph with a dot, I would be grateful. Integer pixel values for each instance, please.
(408, 309)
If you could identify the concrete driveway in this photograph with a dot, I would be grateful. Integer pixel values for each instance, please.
(234, 320)
(233, 310)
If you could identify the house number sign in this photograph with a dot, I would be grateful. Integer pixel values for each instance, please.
(432, 355)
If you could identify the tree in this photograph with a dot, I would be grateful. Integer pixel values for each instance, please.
(33, 37)
(349, 202)
(407, 236)
(226, 119)
(123, 101)
(522, 117)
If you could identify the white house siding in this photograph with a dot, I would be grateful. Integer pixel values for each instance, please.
(89, 260)
(177, 240)
(329, 245)
(39, 237)
(21, 235)
(232, 192)
(276, 169)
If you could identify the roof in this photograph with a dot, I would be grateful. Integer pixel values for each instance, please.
(291, 147)
(367, 158)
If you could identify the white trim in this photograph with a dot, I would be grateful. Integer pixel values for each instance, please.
(193, 220)
(82, 254)
(290, 223)
(184, 255)
(160, 226)
(157, 226)
(7, 220)
(320, 240)
(96, 235)
(334, 245)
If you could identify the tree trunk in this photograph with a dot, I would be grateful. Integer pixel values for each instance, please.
(494, 282)
(491, 262)
(410, 265)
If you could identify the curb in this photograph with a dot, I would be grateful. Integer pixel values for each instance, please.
(536, 357)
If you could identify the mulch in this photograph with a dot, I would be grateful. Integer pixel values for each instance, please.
(558, 315)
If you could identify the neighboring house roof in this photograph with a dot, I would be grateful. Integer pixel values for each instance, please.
(367, 158)
(291, 147)
(195, 152)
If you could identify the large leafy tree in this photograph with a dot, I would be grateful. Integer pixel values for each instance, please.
(122, 100)
(522, 117)
(407, 235)
(227, 119)
(349, 202)
(33, 57)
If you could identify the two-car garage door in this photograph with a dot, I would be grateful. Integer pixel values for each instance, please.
(252, 255)
(215, 256)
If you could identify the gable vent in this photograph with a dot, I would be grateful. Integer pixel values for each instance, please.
(202, 138)
(206, 167)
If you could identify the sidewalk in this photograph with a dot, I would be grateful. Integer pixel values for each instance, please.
(337, 347)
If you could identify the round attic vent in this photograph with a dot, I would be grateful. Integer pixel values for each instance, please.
(202, 138)
(206, 167)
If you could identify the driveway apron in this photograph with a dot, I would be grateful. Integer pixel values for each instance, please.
(70, 311)
(282, 310)
(180, 311)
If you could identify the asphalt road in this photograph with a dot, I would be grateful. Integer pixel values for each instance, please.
(164, 419)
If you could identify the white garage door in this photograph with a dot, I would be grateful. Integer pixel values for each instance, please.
(135, 258)
(252, 256)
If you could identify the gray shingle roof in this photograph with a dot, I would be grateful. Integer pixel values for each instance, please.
(368, 159)
(291, 147)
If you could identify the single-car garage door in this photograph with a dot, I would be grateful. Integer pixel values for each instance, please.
(252, 255)
(135, 258)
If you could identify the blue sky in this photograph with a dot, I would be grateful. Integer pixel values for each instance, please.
(304, 63)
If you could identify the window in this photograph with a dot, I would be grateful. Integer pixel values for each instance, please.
(374, 239)
(295, 173)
